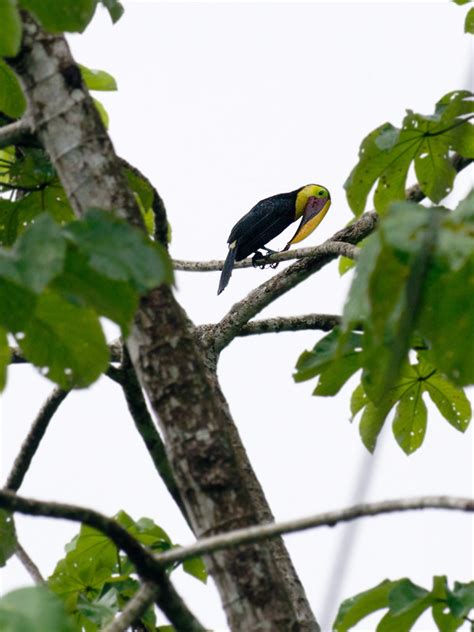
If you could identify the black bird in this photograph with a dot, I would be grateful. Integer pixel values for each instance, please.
(269, 217)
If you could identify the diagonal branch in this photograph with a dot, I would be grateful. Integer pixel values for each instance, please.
(330, 519)
(275, 287)
(338, 248)
(146, 564)
(33, 439)
(29, 565)
(134, 609)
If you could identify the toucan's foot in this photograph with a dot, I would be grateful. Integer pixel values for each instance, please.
(257, 260)
(269, 251)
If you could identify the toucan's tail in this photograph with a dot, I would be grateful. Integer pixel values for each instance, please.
(227, 269)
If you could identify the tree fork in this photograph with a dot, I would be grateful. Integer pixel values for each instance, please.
(258, 585)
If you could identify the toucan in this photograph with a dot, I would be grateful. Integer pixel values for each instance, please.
(269, 217)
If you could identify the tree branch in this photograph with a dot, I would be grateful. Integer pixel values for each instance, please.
(33, 439)
(338, 248)
(330, 519)
(134, 609)
(144, 561)
(323, 322)
(267, 292)
(30, 566)
(14, 132)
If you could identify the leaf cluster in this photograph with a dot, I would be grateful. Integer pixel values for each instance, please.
(409, 292)
(406, 602)
(424, 141)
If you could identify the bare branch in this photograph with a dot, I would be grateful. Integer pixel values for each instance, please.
(30, 566)
(269, 291)
(323, 322)
(144, 561)
(257, 533)
(338, 248)
(134, 609)
(33, 439)
(14, 132)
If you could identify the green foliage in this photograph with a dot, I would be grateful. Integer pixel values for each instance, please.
(417, 256)
(97, 79)
(95, 580)
(10, 29)
(469, 22)
(57, 16)
(12, 99)
(33, 609)
(7, 536)
(406, 602)
(4, 357)
(55, 283)
(115, 9)
(387, 153)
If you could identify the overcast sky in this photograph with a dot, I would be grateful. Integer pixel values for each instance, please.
(220, 105)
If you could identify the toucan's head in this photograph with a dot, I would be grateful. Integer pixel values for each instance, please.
(312, 204)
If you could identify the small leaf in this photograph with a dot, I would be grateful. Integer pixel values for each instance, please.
(57, 16)
(97, 79)
(352, 610)
(100, 610)
(469, 23)
(409, 424)
(333, 377)
(10, 29)
(404, 595)
(461, 599)
(196, 567)
(66, 341)
(33, 609)
(115, 9)
(7, 537)
(104, 117)
(358, 400)
(12, 99)
(345, 264)
(450, 400)
(442, 615)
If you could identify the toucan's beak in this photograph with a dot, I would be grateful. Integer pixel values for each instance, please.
(314, 211)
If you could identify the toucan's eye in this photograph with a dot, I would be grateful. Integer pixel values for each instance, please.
(321, 193)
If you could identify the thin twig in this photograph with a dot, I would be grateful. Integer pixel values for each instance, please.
(33, 439)
(134, 609)
(249, 535)
(30, 566)
(144, 561)
(338, 248)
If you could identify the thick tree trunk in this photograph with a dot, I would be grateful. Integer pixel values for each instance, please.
(258, 584)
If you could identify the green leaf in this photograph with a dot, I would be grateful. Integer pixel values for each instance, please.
(40, 253)
(450, 400)
(442, 616)
(144, 195)
(115, 9)
(469, 22)
(97, 79)
(358, 400)
(461, 599)
(57, 16)
(119, 251)
(326, 351)
(33, 609)
(361, 605)
(409, 424)
(196, 567)
(149, 534)
(66, 341)
(100, 610)
(104, 117)
(4, 358)
(83, 286)
(10, 29)
(7, 536)
(371, 423)
(345, 264)
(17, 305)
(387, 153)
(405, 621)
(12, 99)
(460, 2)
(448, 324)
(8, 229)
(404, 595)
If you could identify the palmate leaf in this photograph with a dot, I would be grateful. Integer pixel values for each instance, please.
(387, 153)
(33, 609)
(406, 602)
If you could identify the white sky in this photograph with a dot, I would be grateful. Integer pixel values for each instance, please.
(220, 105)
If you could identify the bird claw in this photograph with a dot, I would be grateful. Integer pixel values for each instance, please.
(260, 261)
